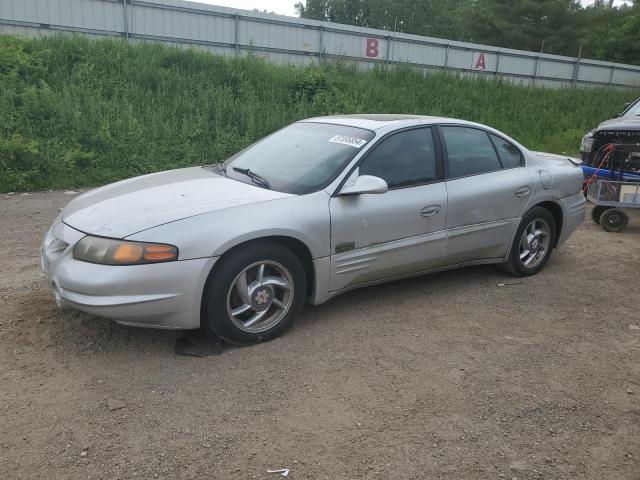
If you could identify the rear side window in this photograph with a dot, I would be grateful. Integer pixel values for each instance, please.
(404, 159)
(509, 154)
(470, 151)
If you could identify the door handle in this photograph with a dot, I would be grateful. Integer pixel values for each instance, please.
(430, 210)
(522, 192)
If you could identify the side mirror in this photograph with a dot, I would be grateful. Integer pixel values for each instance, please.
(365, 184)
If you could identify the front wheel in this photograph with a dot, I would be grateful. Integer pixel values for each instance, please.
(533, 243)
(255, 294)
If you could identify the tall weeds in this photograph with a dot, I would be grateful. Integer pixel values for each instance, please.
(76, 112)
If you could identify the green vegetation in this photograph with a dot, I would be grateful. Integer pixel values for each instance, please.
(76, 112)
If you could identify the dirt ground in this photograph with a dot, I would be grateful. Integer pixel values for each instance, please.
(446, 376)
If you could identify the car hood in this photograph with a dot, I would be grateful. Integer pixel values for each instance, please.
(620, 123)
(124, 208)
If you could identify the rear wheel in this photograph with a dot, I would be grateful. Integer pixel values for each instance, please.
(255, 294)
(533, 243)
(597, 212)
(614, 220)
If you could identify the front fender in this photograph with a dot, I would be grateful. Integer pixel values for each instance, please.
(305, 218)
(310, 243)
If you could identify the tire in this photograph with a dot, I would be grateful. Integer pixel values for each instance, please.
(540, 251)
(597, 212)
(225, 310)
(614, 220)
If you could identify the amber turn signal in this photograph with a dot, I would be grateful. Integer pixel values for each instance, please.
(160, 253)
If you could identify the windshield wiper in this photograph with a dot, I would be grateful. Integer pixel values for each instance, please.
(255, 178)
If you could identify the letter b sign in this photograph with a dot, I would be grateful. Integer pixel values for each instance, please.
(372, 47)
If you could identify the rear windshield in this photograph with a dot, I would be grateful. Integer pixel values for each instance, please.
(301, 158)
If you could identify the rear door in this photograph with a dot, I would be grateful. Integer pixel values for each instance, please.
(376, 236)
(488, 186)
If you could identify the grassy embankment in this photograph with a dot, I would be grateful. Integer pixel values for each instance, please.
(76, 112)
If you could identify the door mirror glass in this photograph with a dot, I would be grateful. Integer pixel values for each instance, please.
(365, 184)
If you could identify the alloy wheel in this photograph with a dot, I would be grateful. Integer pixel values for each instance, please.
(534, 243)
(260, 296)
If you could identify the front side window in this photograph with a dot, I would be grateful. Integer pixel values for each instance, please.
(301, 158)
(509, 154)
(404, 159)
(470, 151)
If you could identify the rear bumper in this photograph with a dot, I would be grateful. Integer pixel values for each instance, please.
(163, 295)
(573, 212)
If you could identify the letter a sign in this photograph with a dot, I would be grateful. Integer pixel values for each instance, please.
(479, 61)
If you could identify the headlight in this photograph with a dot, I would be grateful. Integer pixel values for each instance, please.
(109, 251)
(587, 143)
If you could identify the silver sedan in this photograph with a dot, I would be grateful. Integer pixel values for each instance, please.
(320, 207)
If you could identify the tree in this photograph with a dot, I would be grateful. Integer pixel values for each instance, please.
(612, 34)
(421, 17)
(534, 25)
(351, 12)
(605, 31)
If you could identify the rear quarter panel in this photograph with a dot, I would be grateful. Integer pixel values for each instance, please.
(562, 185)
(564, 176)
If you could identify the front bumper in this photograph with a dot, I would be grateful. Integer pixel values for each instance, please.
(162, 295)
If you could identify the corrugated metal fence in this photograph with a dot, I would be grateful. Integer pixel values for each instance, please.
(298, 41)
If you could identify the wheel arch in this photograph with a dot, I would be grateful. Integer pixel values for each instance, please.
(297, 246)
(557, 214)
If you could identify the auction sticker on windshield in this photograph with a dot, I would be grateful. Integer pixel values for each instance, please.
(345, 140)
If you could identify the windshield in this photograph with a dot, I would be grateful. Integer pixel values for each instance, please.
(633, 110)
(301, 158)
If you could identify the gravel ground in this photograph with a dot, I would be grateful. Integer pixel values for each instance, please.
(452, 375)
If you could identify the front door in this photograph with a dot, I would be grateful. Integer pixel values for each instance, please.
(376, 236)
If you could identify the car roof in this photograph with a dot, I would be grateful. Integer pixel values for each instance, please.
(372, 121)
(386, 122)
